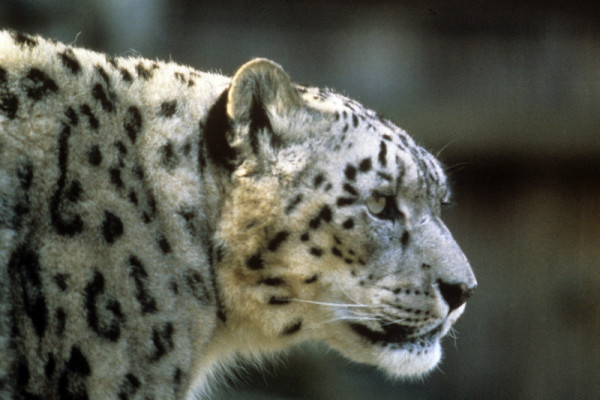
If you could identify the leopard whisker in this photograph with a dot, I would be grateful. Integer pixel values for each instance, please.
(321, 303)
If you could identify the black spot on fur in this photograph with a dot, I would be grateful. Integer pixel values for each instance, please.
(61, 281)
(278, 240)
(405, 239)
(164, 245)
(220, 253)
(324, 215)
(180, 77)
(24, 40)
(169, 158)
(189, 216)
(78, 363)
(9, 102)
(50, 366)
(177, 376)
(25, 174)
(92, 120)
(70, 61)
(365, 165)
(293, 204)
(304, 237)
(162, 339)
(37, 84)
(384, 176)
(24, 267)
(215, 131)
(350, 172)
(103, 75)
(143, 72)
(129, 387)
(122, 151)
(382, 154)
(255, 262)
(311, 279)
(336, 252)
(126, 75)
(292, 328)
(168, 108)
(348, 224)
(142, 294)
(345, 201)
(61, 321)
(100, 95)
(197, 286)
(115, 177)
(97, 318)
(350, 189)
(279, 301)
(112, 227)
(72, 382)
(133, 123)
(315, 251)
(186, 149)
(272, 281)
(354, 120)
(74, 191)
(112, 62)
(318, 180)
(387, 137)
(62, 225)
(72, 116)
(138, 171)
(95, 156)
(22, 375)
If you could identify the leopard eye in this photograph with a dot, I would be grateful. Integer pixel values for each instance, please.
(376, 204)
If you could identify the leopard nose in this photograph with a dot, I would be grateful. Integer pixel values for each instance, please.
(455, 294)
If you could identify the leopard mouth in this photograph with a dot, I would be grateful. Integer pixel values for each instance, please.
(397, 335)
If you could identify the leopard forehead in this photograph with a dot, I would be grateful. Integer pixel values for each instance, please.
(361, 141)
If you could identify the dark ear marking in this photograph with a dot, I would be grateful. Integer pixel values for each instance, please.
(259, 120)
(215, 134)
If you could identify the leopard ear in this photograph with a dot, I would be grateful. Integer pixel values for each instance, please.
(258, 88)
(260, 94)
(253, 111)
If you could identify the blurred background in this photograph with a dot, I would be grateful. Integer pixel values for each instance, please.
(507, 93)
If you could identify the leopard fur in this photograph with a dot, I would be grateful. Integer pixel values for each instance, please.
(156, 222)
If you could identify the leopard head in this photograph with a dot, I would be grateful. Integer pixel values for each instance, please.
(330, 227)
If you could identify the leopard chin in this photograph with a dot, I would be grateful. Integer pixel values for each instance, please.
(398, 352)
(400, 362)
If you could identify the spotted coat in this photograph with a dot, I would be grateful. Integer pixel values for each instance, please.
(157, 221)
